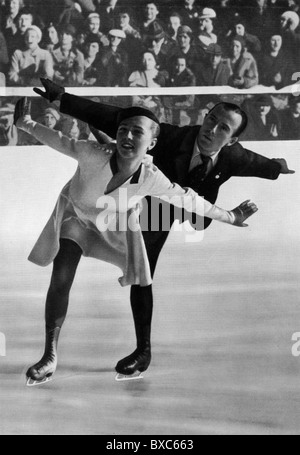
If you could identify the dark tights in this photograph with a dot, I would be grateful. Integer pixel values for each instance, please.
(64, 269)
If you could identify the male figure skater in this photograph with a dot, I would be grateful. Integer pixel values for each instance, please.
(200, 157)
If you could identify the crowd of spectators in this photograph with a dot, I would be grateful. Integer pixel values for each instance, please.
(120, 43)
(271, 117)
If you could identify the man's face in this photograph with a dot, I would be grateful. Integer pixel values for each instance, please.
(25, 21)
(184, 40)
(50, 121)
(276, 43)
(218, 130)
(135, 138)
(31, 39)
(151, 11)
(124, 20)
(157, 45)
(115, 41)
(94, 25)
(215, 61)
(180, 66)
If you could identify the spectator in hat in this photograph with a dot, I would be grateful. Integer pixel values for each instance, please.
(289, 24)
(244, 72)
(109, 12)
(92, 31)
(8, 131)
(260, 18)
(114, 61)
(173, 25)
(151, 21)
(291, 121)
(71, 16)
(32, 63)
(194, 56)
(92, 62)
(50, 37)
(190, 14)
(162, 47)
(275, 66)
(132, 44)
(252, 42)
(68, 60)
(205, 35)
(178, 107)
(215, 71)
(264, 121)
(9, 16)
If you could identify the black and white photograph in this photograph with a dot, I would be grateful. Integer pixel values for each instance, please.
(150, 226)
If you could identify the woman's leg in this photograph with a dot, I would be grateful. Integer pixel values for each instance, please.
(64, 269)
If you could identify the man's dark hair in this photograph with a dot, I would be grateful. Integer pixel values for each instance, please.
(230, 107)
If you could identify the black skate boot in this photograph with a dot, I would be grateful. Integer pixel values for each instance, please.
(139, 361)
(43, 371)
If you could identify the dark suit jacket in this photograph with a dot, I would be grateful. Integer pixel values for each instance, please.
(174, 149)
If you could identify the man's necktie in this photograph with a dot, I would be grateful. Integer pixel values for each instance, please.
(198, 174)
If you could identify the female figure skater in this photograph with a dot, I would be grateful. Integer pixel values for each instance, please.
(122, 173)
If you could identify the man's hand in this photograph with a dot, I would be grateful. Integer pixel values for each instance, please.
(284, 166)
(53, 91)
(22, 109)
(243, 212)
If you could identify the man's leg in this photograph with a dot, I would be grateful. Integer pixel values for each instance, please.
(142, 309)
(64, 269)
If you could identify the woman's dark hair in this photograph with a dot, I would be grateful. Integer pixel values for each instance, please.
(230, 107)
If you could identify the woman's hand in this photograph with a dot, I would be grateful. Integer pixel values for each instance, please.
(22, 109)
(243, 212)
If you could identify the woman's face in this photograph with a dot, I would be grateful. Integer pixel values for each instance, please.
(135, 138)
(236, 48)
(124, 20)
(94, 25)
(52, 34)
(174, 23)
(31, 39)
(240, 29)
(115, 41)
(149, 62)
(206, 25)
(184, 40)
(66, 39)
(14, 7)
(93, 49)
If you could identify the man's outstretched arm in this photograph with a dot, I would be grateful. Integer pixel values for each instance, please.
(100, 116)
(249, 164)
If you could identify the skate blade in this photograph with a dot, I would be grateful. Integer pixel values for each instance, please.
(133, 377)
(34, 383)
